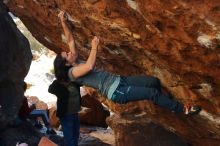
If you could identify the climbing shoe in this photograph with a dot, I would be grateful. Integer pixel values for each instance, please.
(191, 110)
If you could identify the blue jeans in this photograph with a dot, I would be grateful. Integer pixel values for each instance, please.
(135, 88)
(70, 125)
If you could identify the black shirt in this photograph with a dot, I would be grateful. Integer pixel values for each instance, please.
(68, 97)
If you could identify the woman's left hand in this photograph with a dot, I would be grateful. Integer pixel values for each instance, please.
(95, 42)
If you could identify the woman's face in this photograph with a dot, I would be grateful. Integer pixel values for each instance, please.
(70, 58)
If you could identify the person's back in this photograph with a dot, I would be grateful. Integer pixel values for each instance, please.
(68, 106)
(74, 100)
(68, 97)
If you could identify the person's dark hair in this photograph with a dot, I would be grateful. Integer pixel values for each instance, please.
(60, 68)
(24, 86)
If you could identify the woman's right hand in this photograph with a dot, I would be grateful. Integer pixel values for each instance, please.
(95, 42)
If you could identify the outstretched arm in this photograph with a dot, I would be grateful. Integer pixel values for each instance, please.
(67, 33)
(83, 69)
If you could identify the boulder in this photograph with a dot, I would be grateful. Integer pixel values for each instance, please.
(15, 59)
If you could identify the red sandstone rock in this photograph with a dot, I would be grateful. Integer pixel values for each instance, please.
(46, 142)
(94, 113)
(39, 104)
(54, 120)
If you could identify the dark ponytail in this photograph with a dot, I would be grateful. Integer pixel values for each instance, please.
(60, 68)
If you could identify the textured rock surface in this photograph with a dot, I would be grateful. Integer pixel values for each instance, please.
(194, 130)
(129, 129)
(94, 113)
(15, 59)
(178, 41)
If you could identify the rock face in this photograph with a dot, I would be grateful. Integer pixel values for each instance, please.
(15, 59)
(93, 112)
(178, 41)
(130, 129)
